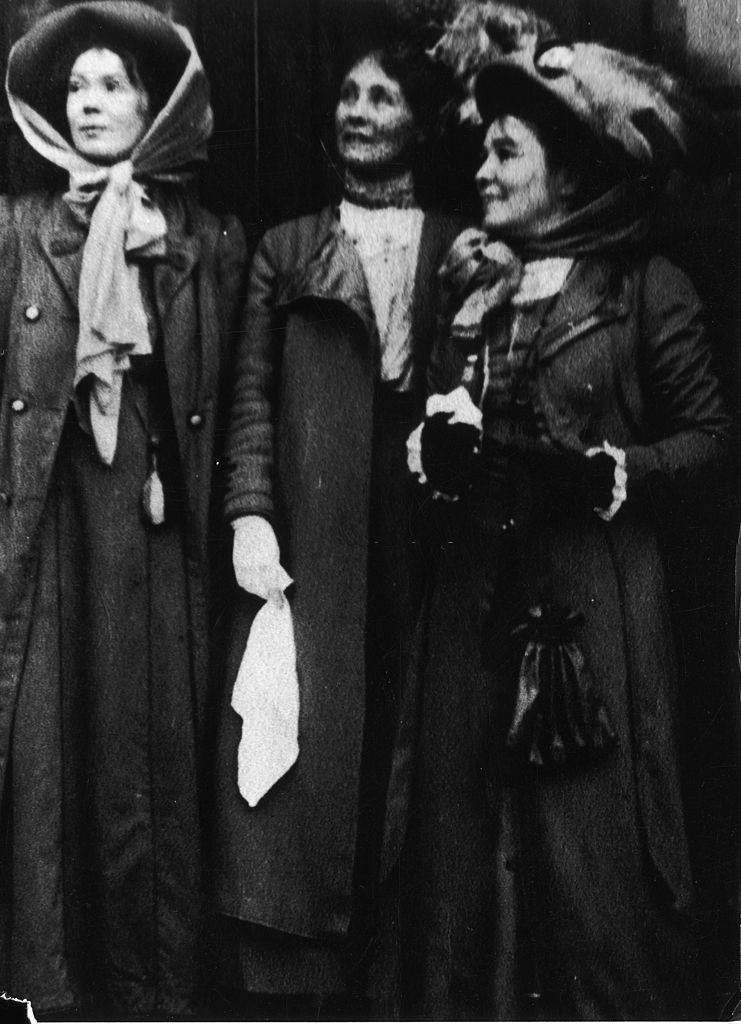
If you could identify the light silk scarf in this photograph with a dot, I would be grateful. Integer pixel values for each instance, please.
(123, 222)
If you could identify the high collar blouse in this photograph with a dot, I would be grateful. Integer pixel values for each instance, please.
(387, 242)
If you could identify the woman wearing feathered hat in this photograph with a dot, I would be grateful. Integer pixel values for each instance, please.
(573, 396)
(117, 298)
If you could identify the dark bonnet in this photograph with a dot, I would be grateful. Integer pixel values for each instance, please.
(42, 59)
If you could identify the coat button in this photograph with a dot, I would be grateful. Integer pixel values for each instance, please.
(18, 405)
(195, 420)
(32, 313)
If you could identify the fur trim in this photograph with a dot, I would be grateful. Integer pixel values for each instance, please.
(480, 32)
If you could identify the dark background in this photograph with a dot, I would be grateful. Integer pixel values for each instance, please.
(272, 66)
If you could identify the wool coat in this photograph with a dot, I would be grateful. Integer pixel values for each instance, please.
(590, 862)
(300, 454)
(197, 288)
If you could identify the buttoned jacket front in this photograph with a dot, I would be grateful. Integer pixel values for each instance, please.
(197, 287)
(623, 356)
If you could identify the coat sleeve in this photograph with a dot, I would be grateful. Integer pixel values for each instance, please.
(250, 457)
(688, 426)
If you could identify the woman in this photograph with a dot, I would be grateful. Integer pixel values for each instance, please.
(328, 384)
(117, 299)
(572, 398)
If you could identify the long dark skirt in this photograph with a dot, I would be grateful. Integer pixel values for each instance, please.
(526, 895)
(100, 825)
(256, 959)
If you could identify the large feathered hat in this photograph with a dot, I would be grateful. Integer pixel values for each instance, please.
(633, 109)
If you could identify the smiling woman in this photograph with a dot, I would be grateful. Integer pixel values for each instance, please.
(549, 867)
(329, 376)
(374, 122)
(522, 195)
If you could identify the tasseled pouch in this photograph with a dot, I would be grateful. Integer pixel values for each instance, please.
(153, 493)
(559, 720)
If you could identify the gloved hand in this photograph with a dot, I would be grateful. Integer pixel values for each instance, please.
(443, 449)
(599, 478)
(607, 478)
(449, 452)
(256, 559)
(598, 474)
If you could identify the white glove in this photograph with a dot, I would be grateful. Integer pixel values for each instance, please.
(256, 559)
(414, 454)
(620, 483)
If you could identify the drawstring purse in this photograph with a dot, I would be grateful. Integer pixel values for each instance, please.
(559, 720)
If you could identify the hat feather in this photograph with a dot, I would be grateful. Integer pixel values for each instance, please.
(481, 31)
(648, 112)
(635, 110)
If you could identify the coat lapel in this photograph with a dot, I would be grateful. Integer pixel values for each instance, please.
(61, 238)
(182, 336)
(174, 269)
(333, 273)
(427, 261)
(586, 301)
(437, 236)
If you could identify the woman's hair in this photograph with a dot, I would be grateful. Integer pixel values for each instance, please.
(427, 85)
(571, 148)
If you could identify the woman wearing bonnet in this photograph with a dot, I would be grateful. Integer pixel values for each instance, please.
(117, 297)
(573, 401)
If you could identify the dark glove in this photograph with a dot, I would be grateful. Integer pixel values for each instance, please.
(557, 469)
(599, 479)
(449, 453)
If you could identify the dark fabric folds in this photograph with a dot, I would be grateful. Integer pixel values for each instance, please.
(559, 719)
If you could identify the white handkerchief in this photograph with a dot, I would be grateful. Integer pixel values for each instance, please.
(266, 697)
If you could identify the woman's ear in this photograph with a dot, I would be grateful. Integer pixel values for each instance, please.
(569, 181)
(421, 136)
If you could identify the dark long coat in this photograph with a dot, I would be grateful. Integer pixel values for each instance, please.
(39, 278)
(300, 454)
(605, 876)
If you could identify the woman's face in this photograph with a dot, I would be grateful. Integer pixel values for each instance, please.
(107, 113)
(373, 121)
(521, 196)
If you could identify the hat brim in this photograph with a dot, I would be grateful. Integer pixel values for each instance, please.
(41, 59)
(507, 89)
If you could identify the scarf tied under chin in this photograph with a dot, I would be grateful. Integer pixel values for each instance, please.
(123, 223)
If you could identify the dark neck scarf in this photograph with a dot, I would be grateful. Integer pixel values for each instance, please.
(481, 273)
(381, 190)
(615, 221)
